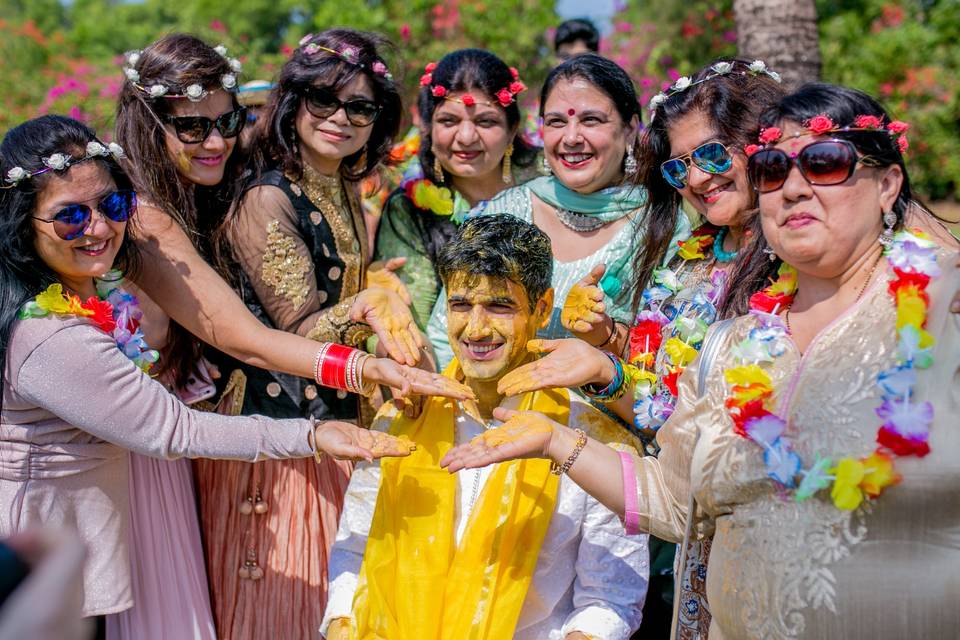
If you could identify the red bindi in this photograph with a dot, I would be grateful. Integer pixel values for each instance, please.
(571, 112)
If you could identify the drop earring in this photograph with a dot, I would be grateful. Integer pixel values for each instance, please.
(630, 162)
(771, 254)
(545, 166)
(437, 169)
(889, 221)
(506, 174)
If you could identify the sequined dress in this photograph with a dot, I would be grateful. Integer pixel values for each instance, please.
(782, 569)
(301, 250)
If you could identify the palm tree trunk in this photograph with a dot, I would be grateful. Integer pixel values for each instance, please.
(782, 33)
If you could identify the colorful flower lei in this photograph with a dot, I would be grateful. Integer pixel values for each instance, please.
(426, 195)
(822, 124)
(505, 97)
(655, 390)
(906, 425)
(114, 311)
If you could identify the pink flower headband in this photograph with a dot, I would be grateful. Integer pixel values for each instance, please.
(505, 97)
(823, 124)
(347, 54)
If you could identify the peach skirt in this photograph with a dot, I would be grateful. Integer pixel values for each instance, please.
(286, 538)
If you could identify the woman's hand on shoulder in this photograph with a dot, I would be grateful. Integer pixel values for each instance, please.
(523, 434)
(568, 363)
(345, 441)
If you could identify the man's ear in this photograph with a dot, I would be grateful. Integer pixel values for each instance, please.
(544, 307)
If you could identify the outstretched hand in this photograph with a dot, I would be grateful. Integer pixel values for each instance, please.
(584, 313)
(406, 380)
(391, 320)
(569, 363)
(345, 441)
(523, 434)
(381, 275)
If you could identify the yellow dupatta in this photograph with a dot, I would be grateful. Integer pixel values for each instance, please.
(415, 582)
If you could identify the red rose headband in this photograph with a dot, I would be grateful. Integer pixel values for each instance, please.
(823, 124)
(505, 97)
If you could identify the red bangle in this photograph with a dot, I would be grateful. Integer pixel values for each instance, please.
(334, 366)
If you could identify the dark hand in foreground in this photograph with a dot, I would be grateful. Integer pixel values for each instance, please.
(569, 363)
(345, 441)
(523, 434)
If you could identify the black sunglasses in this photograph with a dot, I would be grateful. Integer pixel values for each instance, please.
(72, 221)
(821, 163)
(323, 104)
(196, 129)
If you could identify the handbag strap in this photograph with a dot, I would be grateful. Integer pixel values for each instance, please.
(708, 356)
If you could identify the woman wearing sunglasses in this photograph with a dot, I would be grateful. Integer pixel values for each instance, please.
(821, 447)
(179, 120)
(471, 149)
(76, 391)
(302, 248)
(588, 206)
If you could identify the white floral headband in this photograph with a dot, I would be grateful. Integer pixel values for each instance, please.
(194, 92)
(719, 69)
(63, 161)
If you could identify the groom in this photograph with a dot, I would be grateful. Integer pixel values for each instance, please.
(508, 551)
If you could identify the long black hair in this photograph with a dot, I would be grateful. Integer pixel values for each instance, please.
(309, 66)
(23, 273)
(732, 103)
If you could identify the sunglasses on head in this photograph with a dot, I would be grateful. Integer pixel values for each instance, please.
(196, 129)
(72, 221)
(323, 104)
(821, 163)
(711, 157)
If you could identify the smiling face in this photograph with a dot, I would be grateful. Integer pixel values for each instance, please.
(470, 141)
(324, 142)
(489, 323)
(202, 163)
(724, 198)
(584, 137)
(822, 230)
(78, 261)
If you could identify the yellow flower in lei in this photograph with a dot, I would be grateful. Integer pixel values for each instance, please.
(53, 300)
(679, 352)
(911, 307)
(846, 493)
(427, 195)
(750, 382)
(786, 282)
(878, 474)
(635, 376)
(691, 249)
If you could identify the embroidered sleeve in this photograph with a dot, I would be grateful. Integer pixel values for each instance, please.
(265, 239)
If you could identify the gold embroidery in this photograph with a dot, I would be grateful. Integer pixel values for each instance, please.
(342, 213)
(335, 325)
(283, 268)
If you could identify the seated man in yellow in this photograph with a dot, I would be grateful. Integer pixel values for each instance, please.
(508, 551)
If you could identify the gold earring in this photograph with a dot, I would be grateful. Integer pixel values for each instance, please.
(506, 175)
(437, 169)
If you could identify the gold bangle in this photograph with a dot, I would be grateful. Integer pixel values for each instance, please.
(560, 469)
(317, 453)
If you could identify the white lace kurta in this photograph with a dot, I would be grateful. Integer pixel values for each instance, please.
(783, 570)
(590, 576)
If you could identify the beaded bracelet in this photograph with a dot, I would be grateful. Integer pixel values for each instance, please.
(613, 391)
(560, 469)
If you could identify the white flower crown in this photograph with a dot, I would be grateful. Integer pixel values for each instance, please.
(63, 161)
(194, 92)
(719, 69)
